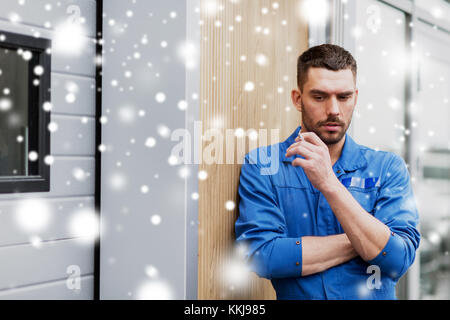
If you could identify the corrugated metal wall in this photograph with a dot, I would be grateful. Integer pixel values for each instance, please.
(41, 272)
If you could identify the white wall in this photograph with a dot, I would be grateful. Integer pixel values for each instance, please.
(40, 272)
(140, 259)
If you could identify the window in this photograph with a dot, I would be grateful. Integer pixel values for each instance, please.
(433, 156)
(25, 66)
(380, 37)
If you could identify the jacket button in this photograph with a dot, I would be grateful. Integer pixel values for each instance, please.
(339, 171)
(384, 253)
(392, 233)
(297, 263)
(298, 242)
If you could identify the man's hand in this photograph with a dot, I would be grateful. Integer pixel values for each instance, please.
(317, 162)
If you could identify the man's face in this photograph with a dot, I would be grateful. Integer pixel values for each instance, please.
(327, 103)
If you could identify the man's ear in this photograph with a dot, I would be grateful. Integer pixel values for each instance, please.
(356, 96)
(296, 96)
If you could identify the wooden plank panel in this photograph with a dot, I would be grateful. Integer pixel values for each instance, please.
(26, 264)
(51, 13)
(82, 63)
(69, 177)
(73, 135)
(65, 87)
(230, 49)
(56, 290)
(61, 215)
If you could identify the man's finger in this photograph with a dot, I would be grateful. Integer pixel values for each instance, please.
(306, 144)
(299, 162)
(313, 138)
(294, 145)
(300, 150)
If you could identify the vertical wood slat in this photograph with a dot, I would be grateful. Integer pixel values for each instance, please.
(218, 100)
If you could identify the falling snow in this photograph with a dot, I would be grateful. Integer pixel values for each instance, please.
(138, 69)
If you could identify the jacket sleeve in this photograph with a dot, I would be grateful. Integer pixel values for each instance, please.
(262, 228)
(396, 208)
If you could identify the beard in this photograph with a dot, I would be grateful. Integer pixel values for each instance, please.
(328, 137)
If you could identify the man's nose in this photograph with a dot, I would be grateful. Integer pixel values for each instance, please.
(333, 106)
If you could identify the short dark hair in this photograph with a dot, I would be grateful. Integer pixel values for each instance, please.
(328, 56)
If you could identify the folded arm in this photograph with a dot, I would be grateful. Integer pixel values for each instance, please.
(322, 253)
(389, 238)
(262, 227)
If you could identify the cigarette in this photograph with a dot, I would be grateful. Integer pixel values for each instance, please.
(300, 136)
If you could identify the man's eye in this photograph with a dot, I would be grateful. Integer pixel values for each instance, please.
(319, 98)
(344, 97)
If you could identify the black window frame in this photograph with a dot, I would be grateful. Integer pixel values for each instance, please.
(39, 180)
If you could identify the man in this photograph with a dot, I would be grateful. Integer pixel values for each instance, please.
(337, 220)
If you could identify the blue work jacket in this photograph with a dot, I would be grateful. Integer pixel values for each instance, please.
(279, 205)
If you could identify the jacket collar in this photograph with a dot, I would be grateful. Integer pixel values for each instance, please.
(352, 156)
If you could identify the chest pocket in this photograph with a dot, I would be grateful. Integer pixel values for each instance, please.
(364, 190)
(366, 197)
